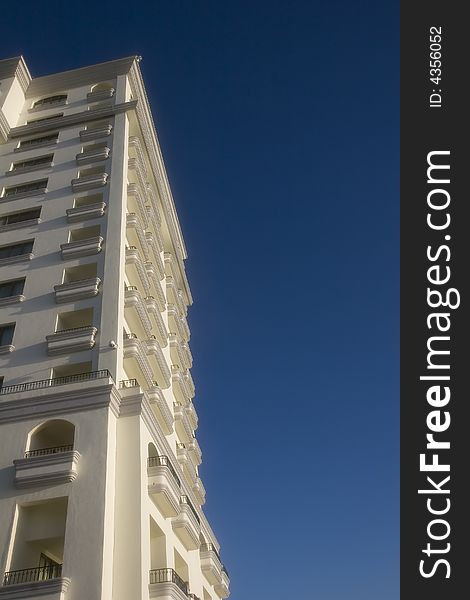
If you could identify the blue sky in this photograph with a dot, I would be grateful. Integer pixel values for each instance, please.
(279, 125)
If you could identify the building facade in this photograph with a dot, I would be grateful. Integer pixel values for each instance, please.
(100, 496)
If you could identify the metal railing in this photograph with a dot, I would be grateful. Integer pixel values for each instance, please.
(36, 574)
(45, 451)
(209, 547)
(186, 500)
(168, 576)
(44, 383)
(72, 329)
(163, 461)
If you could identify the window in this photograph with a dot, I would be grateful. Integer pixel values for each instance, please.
(6, 334)
(11, 288)
(16, 249)
(25, 215)
(24, 188)
(39, 141)
(56, 116)
(33, 162)
(50, 100)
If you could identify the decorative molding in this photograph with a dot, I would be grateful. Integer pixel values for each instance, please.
(133, 300)
(46, 470)
(89, 182)
(92, 156)
(12, 300)
(166, 591)
(85, 212)
(81, 248)
(163, 371)
(6, 349)
(186, 527)
(100, 95)
(77, 290)
(9, 260)
(71, 120)
(20, 224)
(72, 340)
(95, 133)
(164, 490)
(53, 588)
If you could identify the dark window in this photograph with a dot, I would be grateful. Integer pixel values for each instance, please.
(11, 288)
(39, 140)
(6, 334)
(26, 215)
(26, 187)
(50, 100)
(41, 160)
(16, 249)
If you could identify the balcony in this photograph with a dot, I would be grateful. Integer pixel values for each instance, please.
(192, 415)
(136, 268)
(177, 323)
(163, 485)
(156, 287)
(160, 407)
(85, 212)
(157, 259)
(92, 155)
(158, 362)
(136, 151)
(35, 584)
(175, 296)
(199, 491)
(136, 311)
(89, 182)
(166, 584)
(181, 453)
(135, 351)
(85, 247)
(100, 95)
(182, 425)
(179, 351)
(222, 589)
(95, 133)
(181, 388)
(33, 386)
(211, 565)
(138, 174)
(135, 233)
(195, 451)
(187, 524)
(135, 197)
(71, 340)
(47, 466)
(77, 290)
(155, 314)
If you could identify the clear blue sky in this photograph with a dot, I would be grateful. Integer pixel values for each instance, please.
(279, 126)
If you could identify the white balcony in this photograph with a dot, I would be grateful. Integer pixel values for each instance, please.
(100, 95)
(179, 351)
(211, 565)
(222, 589)
(71, 340)
(136, 234)
(166, 584)
(89, 182)
(136, 151)
(182, 425)
(77, 290)
(135, 354)
(175, 322)
(85, 212)
(155, 286)
(163, 485)
(180, 386)
(95, 133)
(135, 268)
(37, 583)
(157, 319)
(160, 407)
(158, 363)
(138, 174)
(187, 524)
(175, 296)
(47, 466)
(199, 491)
(195, 451)
(157, 259)
(93, 155)
(182, 454)
(192, 415)
(137, 198)
(79, 248)
(136, 311)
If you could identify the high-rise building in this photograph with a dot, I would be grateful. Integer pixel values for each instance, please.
(100, 496)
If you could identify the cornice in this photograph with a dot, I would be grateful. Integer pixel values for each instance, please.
(152, 144)
(84, 116)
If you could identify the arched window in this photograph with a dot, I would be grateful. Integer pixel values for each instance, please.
(51, 100)
(51, 437)
(103, 87)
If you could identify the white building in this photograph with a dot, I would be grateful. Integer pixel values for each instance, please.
(100, 497)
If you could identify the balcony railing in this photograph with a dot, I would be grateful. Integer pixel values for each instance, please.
(36, 574)
(186, 500)
(163, 461)
(44, 451)
(44, 383)
(168, 576)
(128, 383)
(210, 548)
